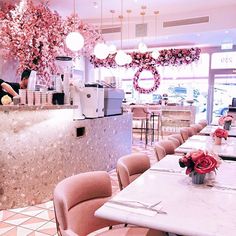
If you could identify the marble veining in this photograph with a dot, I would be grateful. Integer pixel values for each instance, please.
(39, 148)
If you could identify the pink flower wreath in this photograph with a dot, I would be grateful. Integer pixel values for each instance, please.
(156, 77)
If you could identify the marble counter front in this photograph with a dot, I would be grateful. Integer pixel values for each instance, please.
(40, 148)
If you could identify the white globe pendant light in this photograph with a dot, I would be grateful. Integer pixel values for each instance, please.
(74, 41)
(142, 47)
(128, 59)
(101, 51)
(112, 49)
(121, 58)
(155, 54)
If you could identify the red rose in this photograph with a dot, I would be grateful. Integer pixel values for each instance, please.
(205, 164)
(197, 154)
(220, 133)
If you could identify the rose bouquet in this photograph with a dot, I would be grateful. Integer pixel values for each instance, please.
(224, 119)
(220, 133)
(200, 162)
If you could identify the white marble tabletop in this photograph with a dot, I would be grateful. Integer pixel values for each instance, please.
(209, 129)
(184, 208)
(226, 149)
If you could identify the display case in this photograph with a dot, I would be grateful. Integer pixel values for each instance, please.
(176, 117)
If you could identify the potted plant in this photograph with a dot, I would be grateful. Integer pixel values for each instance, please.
(199, 163)
(218, 134)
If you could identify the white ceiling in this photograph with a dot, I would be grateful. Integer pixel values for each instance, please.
(86, 10)
(221, 27)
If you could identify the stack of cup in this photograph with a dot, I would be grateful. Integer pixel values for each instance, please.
(49, 98)
(44, 97)
(22, 94)
(30, 97)
(37, 98)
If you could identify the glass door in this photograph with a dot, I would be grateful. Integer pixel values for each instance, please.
(224, 89)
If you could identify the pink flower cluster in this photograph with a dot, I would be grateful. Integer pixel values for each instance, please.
(89, 32)
(199, 161)
(35, 35)
(220, 133)
(224, 119)
(156, 77)
(31, 34)
(167, 57)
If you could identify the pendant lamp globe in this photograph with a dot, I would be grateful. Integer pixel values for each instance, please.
(112, 49)
(142, 47)
(129, 59)
(101, 51)
(74, 41)
(155, 54)
(121, 58)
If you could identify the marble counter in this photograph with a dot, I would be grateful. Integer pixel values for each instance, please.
(8, 108)
(39, 148)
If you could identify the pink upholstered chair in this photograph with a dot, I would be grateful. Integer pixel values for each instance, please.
(159, 151)
(203, 123)
(78, 197)
(197, 128)
(163, 148)
(184, 133)
(141, 113)
(176, 136)
(130, 167)
(175, 141)
(191, 131)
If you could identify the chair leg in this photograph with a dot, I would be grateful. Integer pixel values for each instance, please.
(141, 130)
(146, 133)
(153, 128)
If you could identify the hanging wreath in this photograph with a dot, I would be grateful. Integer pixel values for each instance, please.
(156, 77)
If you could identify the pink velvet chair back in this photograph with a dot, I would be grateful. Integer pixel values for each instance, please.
(131, 166)
(174, 141)
(159, 151)
(197, 128)
(77, 198)
(184, 133)
(191, 131)
(168, 146)
(203, 123)
(140, 112)
(176, 136)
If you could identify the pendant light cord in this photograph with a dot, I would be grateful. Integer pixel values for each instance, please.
(156, 13)
(121, 25)
(101, 14)
(74, 15)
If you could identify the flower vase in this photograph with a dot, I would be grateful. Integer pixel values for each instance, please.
(197, 178)
(227, 125)
(218, 141)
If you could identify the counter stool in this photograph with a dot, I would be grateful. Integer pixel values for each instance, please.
(141, 113)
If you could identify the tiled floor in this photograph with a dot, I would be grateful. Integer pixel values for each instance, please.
(39, 220)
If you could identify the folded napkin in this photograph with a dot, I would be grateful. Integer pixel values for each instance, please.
(134, 208)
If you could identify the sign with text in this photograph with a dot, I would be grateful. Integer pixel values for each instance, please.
(223, 60)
